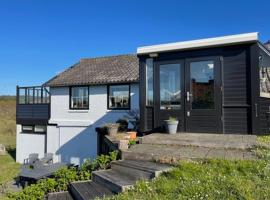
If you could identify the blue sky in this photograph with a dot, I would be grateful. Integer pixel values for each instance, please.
(40, 38)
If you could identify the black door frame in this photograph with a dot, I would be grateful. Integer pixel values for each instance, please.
(217, 92)
(185, 81)
(163, 114)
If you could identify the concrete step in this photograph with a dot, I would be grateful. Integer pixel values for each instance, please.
(218, 141)
(87, 190)
(139, 169)
(114, 180)
(173, 153)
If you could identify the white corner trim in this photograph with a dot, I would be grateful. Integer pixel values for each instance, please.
(66, 123)
(202, 43)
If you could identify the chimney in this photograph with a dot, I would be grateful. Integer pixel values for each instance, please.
(267, 44)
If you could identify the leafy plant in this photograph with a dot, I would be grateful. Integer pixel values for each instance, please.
(173, 119)
(131, 142)
(63, 177)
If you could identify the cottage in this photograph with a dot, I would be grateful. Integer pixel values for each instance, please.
(216, 85)
(83, 97)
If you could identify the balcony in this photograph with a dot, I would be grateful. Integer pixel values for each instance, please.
(33, 105)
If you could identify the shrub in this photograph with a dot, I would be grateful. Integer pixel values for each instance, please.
(63, 177)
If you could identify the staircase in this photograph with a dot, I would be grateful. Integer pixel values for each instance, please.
(122, 175)
(137, 163)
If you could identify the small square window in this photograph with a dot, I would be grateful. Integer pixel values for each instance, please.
(119, 97)
(27, 128)
(40, 129)
(79, 98)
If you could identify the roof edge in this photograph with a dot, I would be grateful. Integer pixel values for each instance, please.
(201, 43)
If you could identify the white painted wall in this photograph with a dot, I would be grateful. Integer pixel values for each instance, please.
(74, 138)
(29, 143)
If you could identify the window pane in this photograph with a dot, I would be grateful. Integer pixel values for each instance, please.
(170, 92)
(40, 129)
(26, 128)
(202, 84)
(30, 95)
(119, 96)
(79, 98)
(149, 82)
(264, 77)
(22, 97)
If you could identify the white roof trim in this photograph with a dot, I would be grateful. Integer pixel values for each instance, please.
(202, 43)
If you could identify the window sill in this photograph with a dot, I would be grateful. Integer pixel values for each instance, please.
(78, 111)
(118, 111)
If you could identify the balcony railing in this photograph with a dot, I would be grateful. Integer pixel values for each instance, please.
(33, 105)
(33, 95)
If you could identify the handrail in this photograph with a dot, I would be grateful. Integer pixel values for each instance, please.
(33, 95)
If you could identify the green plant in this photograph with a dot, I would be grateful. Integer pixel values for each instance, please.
(173, 119)
(214, 179)
(131, 142)
(85, 171)
(63, 177)
(123, 125)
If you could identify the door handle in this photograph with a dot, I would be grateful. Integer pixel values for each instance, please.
(256, 110)
(188, 96)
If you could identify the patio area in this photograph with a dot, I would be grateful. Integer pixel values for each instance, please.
(192, 146)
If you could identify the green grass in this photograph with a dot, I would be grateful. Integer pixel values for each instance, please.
(7, 121)
(213, 179)
(216, 179)
(8, 167)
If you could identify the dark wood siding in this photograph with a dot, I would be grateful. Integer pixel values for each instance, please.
(236, 91)
(32, 113)
(265, 115)
(149, 118)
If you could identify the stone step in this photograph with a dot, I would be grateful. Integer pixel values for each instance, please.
(218, 141)
(172, 153)
(139, 169)
(114, 180)
(88, 190)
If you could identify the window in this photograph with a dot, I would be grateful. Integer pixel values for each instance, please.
(27, 128)
(34, 129)
(170, 92)
(118, 97)
(79, 98)
(40, 129)
(264, 76)
(149, 82)
(202, 84)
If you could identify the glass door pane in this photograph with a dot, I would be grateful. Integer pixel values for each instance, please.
(170, 92)
(202, 84)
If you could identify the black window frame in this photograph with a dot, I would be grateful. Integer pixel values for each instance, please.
(70, 95)
(108, 97)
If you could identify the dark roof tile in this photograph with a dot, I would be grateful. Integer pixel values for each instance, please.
(101, 70)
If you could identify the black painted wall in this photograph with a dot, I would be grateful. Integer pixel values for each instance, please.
(236, 86)
(29, 114)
